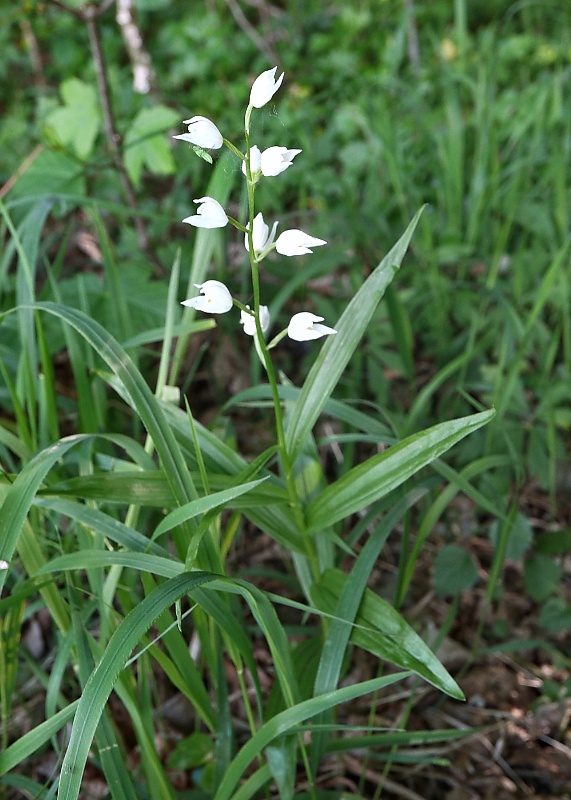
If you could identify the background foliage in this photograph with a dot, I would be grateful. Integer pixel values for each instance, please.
(463, 106)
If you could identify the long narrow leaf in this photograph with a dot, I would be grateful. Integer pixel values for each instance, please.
(204, 504)
(21, 494)
(333, 652)
(287, 720)
(381, 630)
(88, 559)
(338, 350)
(27, 744)
(147, 406)
(103, 677)
(102, 523)
(380, 474)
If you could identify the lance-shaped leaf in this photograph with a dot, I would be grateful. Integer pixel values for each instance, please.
(381, 630)
(376, 477)
(338, 350)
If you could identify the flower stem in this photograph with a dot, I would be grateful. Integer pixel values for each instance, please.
(286, 465)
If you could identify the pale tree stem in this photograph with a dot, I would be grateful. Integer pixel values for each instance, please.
(143, 73)
(89, 15)
(412, 36)
(113, 137)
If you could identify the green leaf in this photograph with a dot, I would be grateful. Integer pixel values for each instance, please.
(88, 559)
(152, 488)
(203, 505)
(541, 576)
(192, 751)
(18, 500)
(555, 616)
(454, 571)
(130, 631)
(402, 330)
(381, 630)
(337, 351)
(148, 407)
(76, 123)
(105, 525)
(554, 542)
(519, 538)
(147, 146)
(286, 721)
(27, 744)
(102, 679)
(335, 645)
(51, 173)
(382, 473)
(281, 758)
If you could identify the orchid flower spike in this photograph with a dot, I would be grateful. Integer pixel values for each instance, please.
(264, 87)
(262, 237)
(296, 243)
(209, 214)
(249, 321)
(203, 133)
(214, 298)
(305, 326)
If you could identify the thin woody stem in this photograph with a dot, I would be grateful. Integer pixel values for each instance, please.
(113, 137)
(89, 15)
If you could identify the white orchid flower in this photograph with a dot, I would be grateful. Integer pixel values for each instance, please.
(262, 237)
(305, 326)
(209, 214)
(4, 564)
(214, 298)
(296, 243)
(264, 87)
(203, 133)
(275, 160)
(249, 321)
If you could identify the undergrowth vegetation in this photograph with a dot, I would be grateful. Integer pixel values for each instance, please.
(232, 565)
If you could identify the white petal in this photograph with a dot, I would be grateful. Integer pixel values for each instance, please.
(275, 160)
(305, 326)
(3, 564)
(255, 160)
(203, 133)
(209, 214)
(264, 87)
(249, 322)
(295, 243)
(261, 235)
(214, 298)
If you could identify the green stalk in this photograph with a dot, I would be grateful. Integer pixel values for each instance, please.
(270, 371)
(263, 348)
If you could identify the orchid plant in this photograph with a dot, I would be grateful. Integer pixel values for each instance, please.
(259, 241)
(318, 521)
(294, 435)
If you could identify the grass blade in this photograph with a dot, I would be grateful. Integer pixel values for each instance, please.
(287, 720)
(103, 677)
